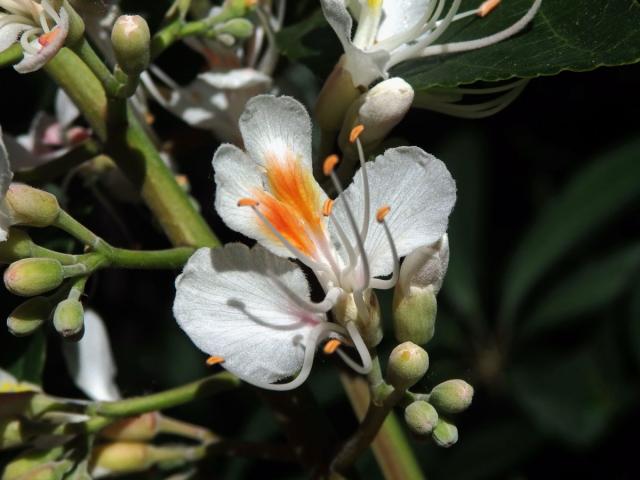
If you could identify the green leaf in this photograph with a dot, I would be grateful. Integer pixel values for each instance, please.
(24, 357)
(590, 201)
(588, 289)
(575, 36)
(634, 322)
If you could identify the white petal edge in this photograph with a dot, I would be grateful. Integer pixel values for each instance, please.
(6, 175)
(90, 361)
(32, 62)
(276, 126)
(421, 193)
(399, 16)
(10, 33)
(229, 306)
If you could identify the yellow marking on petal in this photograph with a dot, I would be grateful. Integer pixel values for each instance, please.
(247, 202)
(46, 38)
(486, 8)
(329, 164)
(374, 3)
(331, 346)
(327, 207)
(382, 213)
(214, 360)
(355, 133)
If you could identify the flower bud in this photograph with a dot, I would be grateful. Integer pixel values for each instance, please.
(426, 266)
(47, 471)
(335, 98)
(452, 396)
(29, 462)
(421, 417)
(68, 319)
(131, 41)
(120, 458)
(368, 325)
(238, 28)
(29, 316)
(33, 276)
(18, 245)
(378, 110)
(135, 429)
(30, 206)
(414, 315)
(11, 433)
(408, 363)
(445, 434)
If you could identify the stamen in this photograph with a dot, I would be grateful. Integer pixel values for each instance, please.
(364, 230)
(214, 360)
(43, 22)
(390, 282)
(26, 44)
(329, 301)
(331, 346)
(51, 11)
(382, 213)
(355, 133)
(329, 164)
(361, 348)
(248, 202)
(486, 8)
(327, 208)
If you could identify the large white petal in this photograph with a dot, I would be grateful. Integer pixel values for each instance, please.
(398, 16)
(66, 110)
(364, 66)
(276, 127)
(238, 176)
(229, 306)
(90, 361)
(10, 33)
(5, 180)
(421, 193)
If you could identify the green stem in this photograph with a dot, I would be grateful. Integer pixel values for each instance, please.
(390, 446)
(74, 228)
(88, 55)
(169, 398)
(172, 426)
(151, 259)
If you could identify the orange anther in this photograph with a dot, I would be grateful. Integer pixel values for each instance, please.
(382, 212)
(46, 38)
(247, 202)
(329, 164)
(331, 346)
(355, 133)
(486, 8)
(327, 207)
(214, 360)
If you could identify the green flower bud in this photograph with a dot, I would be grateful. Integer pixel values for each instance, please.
(30, 206)
(131, 41)
(18, 245)
(11, 433)
(29, 316)
(414, 315)
(120, 458)
(368, 325)
(30, 461)
(68, 319)
(421, 417)
(76, 24)
(335, 98)
(33, 276)
(238, 28)
(452, 396)
(48, 471)
(135, 429)
(408, 363)
(445, 434)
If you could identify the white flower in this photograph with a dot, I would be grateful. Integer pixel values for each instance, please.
(252, 310)
(392, 31)
(90, 361)
(40, 30)
(5, 180)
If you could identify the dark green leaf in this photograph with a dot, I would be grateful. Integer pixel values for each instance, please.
(24, 357)
(590, 288)
(575, 36)
(591, 200)
(634, 322)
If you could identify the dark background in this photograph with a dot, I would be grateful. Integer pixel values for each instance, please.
(556, 404)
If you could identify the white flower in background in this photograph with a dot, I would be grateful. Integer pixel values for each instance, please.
(90, 361)
(216, 98)
(392, 31)
(40, 30)
(5, 180)
(246, 310)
